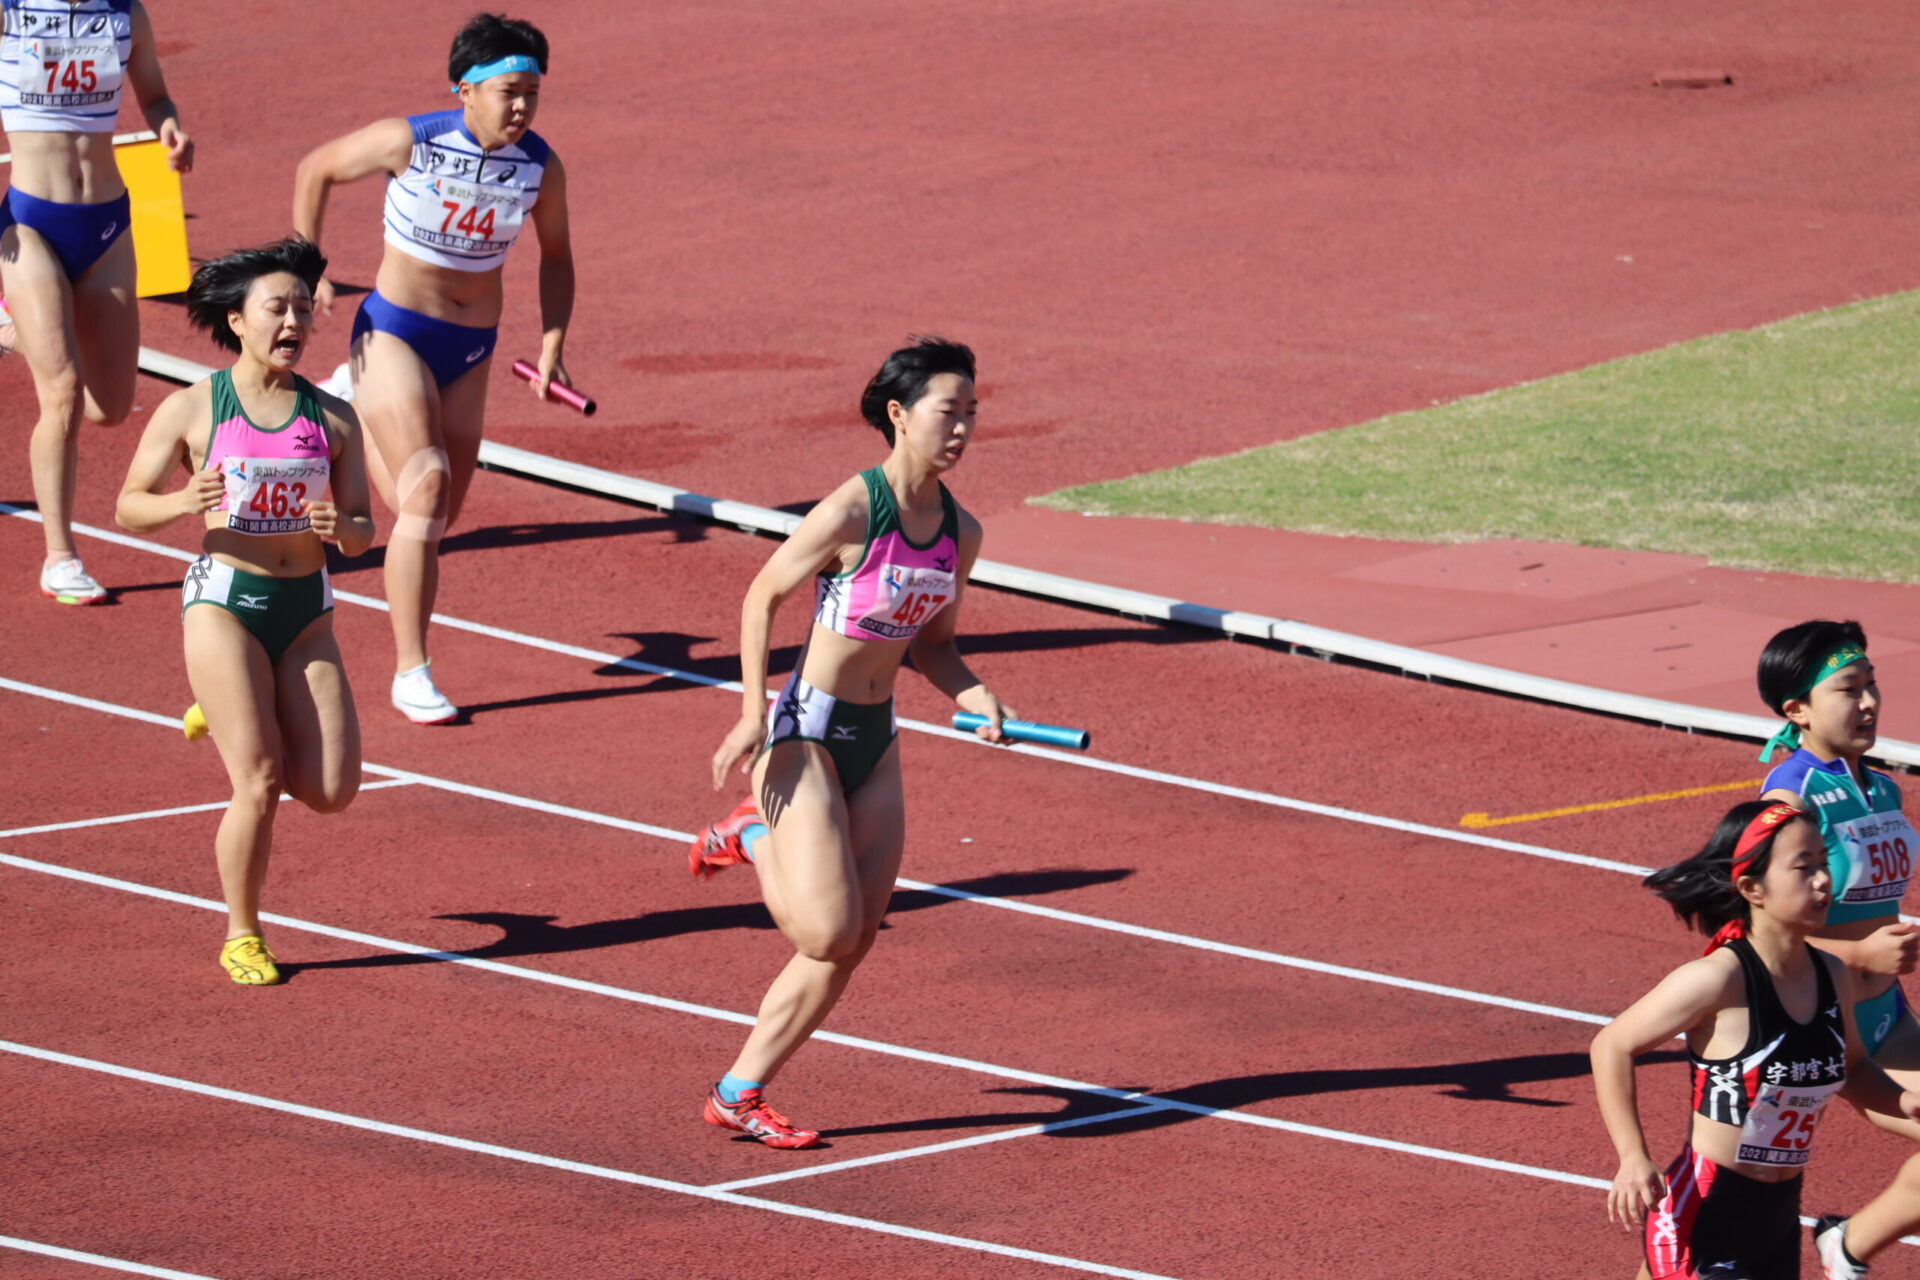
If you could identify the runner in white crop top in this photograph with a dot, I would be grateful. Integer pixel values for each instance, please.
(66, 260)
(462, 183)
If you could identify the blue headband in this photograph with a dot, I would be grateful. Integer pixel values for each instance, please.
(499, 67)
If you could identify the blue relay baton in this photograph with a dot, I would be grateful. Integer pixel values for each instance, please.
(1047, 735)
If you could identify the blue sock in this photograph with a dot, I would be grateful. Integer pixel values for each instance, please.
(732, 1086)
(749, 838)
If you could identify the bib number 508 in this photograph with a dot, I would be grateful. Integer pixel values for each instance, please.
(1889, 860)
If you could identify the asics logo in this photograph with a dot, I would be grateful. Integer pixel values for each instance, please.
(477, 353)
(108, 233)
(245, 601)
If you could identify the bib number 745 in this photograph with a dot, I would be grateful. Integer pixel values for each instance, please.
(77, 77)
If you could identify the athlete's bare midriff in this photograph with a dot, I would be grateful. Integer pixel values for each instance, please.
(471, 298)
(858, 671)
(70, 168)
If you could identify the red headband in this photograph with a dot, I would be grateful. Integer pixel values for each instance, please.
(1760, 830)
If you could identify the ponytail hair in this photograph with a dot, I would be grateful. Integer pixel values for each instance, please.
(1701, 890)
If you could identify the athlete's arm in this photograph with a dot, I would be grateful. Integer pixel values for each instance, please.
(141, 507)
(1683, 1000)
(150, 91)
(347, 521)
(839, 521)
(382, 147)
(937, 657)
(1868, 1086)
(556, 273)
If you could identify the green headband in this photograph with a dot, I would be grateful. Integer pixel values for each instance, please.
(1788, 736)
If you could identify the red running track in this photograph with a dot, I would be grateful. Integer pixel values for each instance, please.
(775, 164)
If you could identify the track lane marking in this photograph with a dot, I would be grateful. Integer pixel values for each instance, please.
(567, 1166)
(384, 784)
(1006, 904)
(1480, 821)
(1074, 759)
(96, 1259)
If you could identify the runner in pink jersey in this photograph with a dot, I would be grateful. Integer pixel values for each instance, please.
(275, 471)
(889, 553)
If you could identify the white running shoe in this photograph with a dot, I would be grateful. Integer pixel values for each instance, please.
(1830, 1241)
(415, 697)
(68, 583)
(340, 384)
(7, 335)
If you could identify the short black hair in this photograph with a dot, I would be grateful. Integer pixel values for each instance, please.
(1789, 660)
(904, 376)
(1701, 890)
(489, 37)
(221, 285)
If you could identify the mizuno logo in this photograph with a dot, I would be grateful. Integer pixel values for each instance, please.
(309, 441)
(245, 601)
(943, 563)
(845, 733)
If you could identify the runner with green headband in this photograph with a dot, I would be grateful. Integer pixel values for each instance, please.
(1818, 676)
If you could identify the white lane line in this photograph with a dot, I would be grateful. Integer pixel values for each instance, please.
(1007, 904)
(971, 1065)
(147, 814)
(937, 730)
(887, 1157)
(96, 1259)
(567, 1166)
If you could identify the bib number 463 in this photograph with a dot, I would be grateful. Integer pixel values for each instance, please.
(278, 498)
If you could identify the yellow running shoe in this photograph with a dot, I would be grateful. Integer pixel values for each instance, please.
(248, 962)
(194, 723)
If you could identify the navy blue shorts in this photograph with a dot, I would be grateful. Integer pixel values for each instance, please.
(78, 233)
(447, 349)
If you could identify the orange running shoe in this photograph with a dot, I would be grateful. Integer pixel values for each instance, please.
(719, 845)
(752, 1115)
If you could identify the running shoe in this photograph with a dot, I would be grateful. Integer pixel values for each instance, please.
(1830, 1242)
(719, 845)
(67, 582)
(416, 698)
(752, 1115)
(248, 962)
(7, 335)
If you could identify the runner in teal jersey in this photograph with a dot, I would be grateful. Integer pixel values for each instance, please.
(1818, 677)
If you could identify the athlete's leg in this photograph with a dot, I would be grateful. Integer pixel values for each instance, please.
(233, 682)
(1895, 1211)
(399, 405)
(41, 302)
(106, 316)
(463, 412)
(811, 884)
(318, 727)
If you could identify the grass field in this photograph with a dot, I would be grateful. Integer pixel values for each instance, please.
(1792, 447)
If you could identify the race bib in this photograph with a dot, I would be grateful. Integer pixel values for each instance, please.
(1781, 1123)
(80, 68)
(908, 597)
(1880, 849)
(469, 205)
(266, 495)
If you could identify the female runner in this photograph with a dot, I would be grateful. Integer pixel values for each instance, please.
(66, 260)
(262, 447)
(1818, 677)
(888, 552)
(1770, 1029)
(460, 184)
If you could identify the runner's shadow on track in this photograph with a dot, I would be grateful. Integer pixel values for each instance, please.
(532, 935)
(673, 649)
(525, 535)
(1493, 1080)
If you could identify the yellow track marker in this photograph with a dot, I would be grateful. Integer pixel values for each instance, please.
(1488, 820)
(159, 219)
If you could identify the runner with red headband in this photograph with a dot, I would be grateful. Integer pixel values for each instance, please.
(1771, 1035)
(1818, 677)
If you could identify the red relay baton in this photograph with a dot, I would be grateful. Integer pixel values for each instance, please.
(557, 390)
